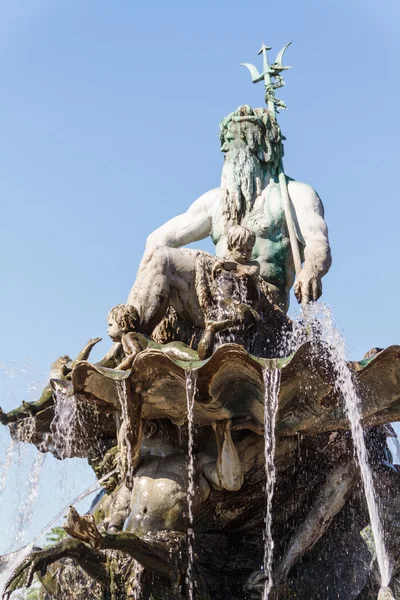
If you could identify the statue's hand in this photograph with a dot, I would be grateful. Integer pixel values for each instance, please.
(23, 574)
(83, 528)
(307, 287)
(85, 352)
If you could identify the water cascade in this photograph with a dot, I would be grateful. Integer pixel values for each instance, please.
(123, 434)
(10, 453)
(319, 317)
(64, 423)
(191, 378)
(25, 511)
(271, 382)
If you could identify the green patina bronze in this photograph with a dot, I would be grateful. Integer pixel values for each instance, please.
(270, 73)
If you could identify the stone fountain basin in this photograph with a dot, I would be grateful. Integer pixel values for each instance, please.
(231, 386)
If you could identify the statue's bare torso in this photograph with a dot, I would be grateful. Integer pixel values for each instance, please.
(272, 247)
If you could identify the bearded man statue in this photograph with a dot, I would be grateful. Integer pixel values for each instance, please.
(250, 196)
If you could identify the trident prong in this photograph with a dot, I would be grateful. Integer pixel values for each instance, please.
(278, 64)
(268, 72)
(255, 75)
(264, 47)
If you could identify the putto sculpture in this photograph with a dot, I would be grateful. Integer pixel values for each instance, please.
(222, 433)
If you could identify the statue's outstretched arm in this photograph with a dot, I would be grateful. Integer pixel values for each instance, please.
(154, 555)
(93, 563)
(191, 226)
(313, 233)
(85, 352)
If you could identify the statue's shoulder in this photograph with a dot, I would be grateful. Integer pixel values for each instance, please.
(303, 195)
(208, 201)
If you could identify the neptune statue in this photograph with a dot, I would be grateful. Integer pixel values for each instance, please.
(250, 195)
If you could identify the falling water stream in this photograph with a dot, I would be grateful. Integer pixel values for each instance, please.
(10, 453)
(25, 510)
(322, 316)
(69, 427)
(123, 400)
(271, 382)
(191, 379)
(223, 311)
(63, 425)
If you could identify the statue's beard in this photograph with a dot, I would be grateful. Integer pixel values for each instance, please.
(241, 183)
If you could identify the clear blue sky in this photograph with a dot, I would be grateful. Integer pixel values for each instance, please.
(109, 126)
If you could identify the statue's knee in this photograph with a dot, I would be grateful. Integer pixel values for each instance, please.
(158, 259)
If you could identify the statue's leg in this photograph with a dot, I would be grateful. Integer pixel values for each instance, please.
(166, 277)
(206, 344)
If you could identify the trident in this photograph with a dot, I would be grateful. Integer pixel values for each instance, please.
(274, 71)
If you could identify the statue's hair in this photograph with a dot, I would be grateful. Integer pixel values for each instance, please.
(257, 128)
(238, 235)
(126, 316)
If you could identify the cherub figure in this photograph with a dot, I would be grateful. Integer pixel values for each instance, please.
(123, 325)
(240, 244)
(236, 291)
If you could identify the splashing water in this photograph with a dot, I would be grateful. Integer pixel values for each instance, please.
(191, 379)
(222, 310)
(63, 425)
(271, 382)
(319, 318)
(69, 427)
(25, 511)
(10, 453)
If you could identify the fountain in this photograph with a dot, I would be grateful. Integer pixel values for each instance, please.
(240, 454)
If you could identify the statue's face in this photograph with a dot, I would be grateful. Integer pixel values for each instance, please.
(241, 253)
(113, 330)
